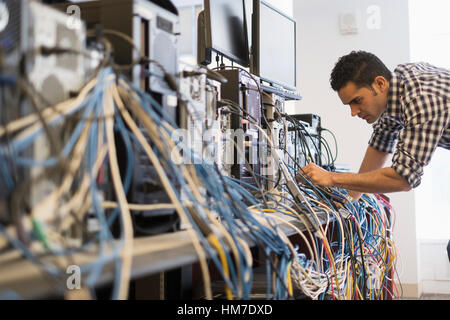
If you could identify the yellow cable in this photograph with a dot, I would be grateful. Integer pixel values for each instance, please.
(334, 268)
(289, 280)
(150, 126)
(215, 242)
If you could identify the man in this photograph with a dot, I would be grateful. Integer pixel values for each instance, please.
(410, 106)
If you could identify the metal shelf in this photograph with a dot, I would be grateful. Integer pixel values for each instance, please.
(151, 255)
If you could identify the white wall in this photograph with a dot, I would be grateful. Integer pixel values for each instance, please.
(435, 268)
(430, 41)
(285, 6)
(320, 44)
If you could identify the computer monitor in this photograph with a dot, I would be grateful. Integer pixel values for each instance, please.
(226, 32)
(274, 46)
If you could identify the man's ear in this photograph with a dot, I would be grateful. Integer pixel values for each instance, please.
(381, 83)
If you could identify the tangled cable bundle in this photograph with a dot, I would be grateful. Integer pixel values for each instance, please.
(349, 255)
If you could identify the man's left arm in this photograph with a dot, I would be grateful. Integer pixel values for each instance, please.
(383, 180)
(428, 116)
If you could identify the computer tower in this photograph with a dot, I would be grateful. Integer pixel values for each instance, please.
(244, 98)
(27, 29)
(192, 110)
(153, 26)
(305, 135)
(198, 110)
(11, 52)
(217, 125)
(275, 126)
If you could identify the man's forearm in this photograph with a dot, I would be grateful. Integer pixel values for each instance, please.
(373, 160)
(384, 180)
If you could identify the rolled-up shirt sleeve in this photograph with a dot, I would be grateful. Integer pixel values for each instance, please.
(385, 134)
(426, 122)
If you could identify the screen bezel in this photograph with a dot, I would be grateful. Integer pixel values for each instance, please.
(245, 62)
(255, 67)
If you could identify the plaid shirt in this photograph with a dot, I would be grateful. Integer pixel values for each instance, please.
(417, 117)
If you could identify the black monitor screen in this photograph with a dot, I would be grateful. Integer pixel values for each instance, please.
(225, 29)
(277, 47)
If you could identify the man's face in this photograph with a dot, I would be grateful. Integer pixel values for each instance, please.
(366, 103)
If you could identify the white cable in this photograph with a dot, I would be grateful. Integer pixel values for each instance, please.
(164, 180)
(127, 252)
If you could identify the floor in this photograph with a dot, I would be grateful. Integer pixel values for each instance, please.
(431, 297)
(435, 297)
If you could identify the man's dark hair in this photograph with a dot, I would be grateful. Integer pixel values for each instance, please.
(359, 67)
